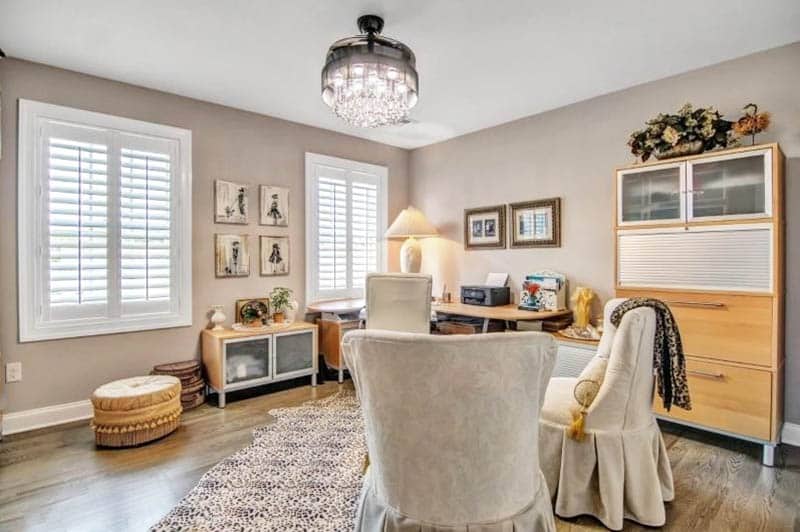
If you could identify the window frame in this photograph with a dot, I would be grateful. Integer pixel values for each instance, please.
(312, 226)
(32, 178)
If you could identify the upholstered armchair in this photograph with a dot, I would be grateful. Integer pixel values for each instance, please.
(452, 430)
(620, 470)
(399, 302)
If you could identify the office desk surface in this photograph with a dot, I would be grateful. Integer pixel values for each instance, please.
(504, 312)
(337, 306)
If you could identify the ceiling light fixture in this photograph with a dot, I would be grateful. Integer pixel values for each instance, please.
(370, 80)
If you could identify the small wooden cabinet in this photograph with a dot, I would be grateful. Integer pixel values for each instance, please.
(235, 360)
(705, 234)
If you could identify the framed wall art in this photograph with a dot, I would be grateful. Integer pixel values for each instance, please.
(230, 202)
(274, 206)
(274, 255)
(485, 227)
(536, 223)
(252, 311)
(232, 256)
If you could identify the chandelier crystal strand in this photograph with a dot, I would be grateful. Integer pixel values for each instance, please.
(370, 80)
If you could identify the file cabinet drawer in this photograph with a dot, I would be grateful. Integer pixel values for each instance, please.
(735, 328)
(728, 398)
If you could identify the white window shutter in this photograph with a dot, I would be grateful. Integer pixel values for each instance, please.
(346, 216)
(105, 238)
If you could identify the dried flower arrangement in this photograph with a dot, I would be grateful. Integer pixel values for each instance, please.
(688, 132)
(752, 122)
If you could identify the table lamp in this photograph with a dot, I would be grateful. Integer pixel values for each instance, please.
(411, 224)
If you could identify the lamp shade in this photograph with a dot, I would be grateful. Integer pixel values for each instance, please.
(411, 223)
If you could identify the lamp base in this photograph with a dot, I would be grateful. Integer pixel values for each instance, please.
(410, 256)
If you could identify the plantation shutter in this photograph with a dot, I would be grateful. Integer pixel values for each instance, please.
(332, 229)
(145, 224)
(77, 225)
(104, 224)
(364, 226)
(346, 205)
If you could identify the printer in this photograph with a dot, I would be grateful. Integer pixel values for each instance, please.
(486, 296)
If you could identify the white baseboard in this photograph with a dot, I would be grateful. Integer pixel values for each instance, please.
(47, 416)
(791, 434)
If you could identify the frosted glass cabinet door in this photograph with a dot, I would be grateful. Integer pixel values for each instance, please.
(651, 195)
(732, 186)
(249, 359)
(293, 352)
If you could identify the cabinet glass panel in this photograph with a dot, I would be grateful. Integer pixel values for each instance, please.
(293, 352)
(730, 187)
(651, 195)
(247, 360)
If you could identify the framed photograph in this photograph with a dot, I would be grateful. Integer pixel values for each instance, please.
(274, 255)
(230, 202)
(251, 310)
(485, 228)
(536, 223)
(232, 256)
(274, 206)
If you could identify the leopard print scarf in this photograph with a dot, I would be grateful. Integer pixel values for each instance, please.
(668, 360)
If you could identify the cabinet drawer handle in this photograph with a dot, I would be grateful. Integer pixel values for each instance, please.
(696, 304)
(706, 374)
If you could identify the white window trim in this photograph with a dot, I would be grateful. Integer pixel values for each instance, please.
(30, 274)
(312, 267)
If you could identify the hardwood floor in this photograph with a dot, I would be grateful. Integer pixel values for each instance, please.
(55, 479)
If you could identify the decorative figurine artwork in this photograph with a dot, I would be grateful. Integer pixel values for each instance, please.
(581, 329)
(230, 202)
(274, 206)
(543, 290)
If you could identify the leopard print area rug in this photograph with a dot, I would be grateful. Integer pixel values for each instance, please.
(302, 472)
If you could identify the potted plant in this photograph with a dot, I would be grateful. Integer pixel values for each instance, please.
(252, 316)
(280, 299)
(688, 132)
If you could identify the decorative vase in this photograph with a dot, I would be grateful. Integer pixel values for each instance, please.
(278, 317)
(217, 318)
(291, 311)
(681, 150)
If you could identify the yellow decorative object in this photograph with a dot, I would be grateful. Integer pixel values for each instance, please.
(585, 391)
(136, 410)
(582, 306)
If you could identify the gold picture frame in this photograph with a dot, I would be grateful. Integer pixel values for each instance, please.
(485, 227)
(536, 224)
(261, 302)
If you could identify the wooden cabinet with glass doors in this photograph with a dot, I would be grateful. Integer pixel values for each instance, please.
(705, 234)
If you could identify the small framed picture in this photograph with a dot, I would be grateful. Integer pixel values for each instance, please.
(485, 228)
(230, 202)
(250, 311)
(274, 206)
(232, 256)
(536, 223)
(274, 255)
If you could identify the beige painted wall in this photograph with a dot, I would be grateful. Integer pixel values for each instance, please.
(572, 152)
(227, 143)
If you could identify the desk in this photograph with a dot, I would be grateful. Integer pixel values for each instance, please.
(504, 312)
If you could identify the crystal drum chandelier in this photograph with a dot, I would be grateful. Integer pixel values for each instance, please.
(370, 80)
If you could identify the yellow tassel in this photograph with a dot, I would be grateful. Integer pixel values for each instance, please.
(366, 464)
(575, 430)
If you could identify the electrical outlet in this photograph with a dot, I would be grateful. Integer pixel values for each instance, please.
(14, 372)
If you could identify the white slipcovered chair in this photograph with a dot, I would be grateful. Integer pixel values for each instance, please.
(452, 430)
(399, 302)
(621, 469)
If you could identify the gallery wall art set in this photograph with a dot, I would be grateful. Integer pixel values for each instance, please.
(232, 251)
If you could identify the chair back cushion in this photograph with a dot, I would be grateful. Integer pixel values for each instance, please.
(399, 302)
(625, 397)
(452, 421)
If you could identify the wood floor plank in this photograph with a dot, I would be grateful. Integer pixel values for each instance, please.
(55, 479)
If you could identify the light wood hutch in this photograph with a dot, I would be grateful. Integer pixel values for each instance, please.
(235, 360)
(705, 234)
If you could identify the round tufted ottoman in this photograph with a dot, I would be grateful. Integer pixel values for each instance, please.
(132, 411)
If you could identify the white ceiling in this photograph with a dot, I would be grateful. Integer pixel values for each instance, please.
(480, 62)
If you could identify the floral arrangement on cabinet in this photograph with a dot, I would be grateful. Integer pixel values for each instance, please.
(688, 132)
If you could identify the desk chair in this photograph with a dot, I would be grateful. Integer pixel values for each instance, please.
(399, 302)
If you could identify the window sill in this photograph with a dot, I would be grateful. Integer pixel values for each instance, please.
(98, 328)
